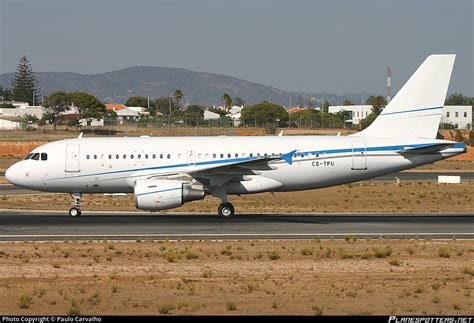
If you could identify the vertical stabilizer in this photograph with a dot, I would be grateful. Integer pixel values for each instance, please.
(416, 109)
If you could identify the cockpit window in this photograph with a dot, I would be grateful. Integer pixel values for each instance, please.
(44, 156)
(28, 156)
(35, 156)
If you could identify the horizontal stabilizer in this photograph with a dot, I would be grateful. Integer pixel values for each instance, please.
(429, 149)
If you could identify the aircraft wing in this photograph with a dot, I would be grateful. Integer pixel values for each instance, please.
(221, 174)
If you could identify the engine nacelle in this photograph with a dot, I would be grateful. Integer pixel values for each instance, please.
(162, 194)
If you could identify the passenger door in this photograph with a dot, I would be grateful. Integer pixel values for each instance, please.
(72, 158)
(359, 158)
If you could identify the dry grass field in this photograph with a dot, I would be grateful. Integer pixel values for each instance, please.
(359, 197)
(404, 277)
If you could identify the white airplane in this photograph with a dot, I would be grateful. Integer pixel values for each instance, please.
(166, 172)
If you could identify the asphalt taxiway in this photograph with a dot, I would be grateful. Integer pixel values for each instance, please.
(49, 225)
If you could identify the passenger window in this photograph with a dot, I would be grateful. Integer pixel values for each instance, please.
(116, 156)
(207, 155)
(214, 155)
(124, 156)
(229, 155)
(95, 156)
(161, 156)
(222, 155)
(236, 155)
(44, 156)
(251, 155)
(139, 156)
(88, 157)
(28, 156)
(131, 156)
(154, 156)
(110, 156)
(258, 154)
(35, 156)
(146, 156)
(169, 156)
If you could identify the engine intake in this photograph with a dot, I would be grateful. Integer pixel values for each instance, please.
(162, 194)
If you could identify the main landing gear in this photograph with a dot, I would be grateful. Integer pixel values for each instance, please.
(226, 210)
(76, 210)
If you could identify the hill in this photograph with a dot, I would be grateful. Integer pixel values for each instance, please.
(154, 81)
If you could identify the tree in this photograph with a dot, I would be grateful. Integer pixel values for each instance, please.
(227, 100)
(238, 101)
(28, 119)
(459, 99)
(56, 103)
(263, 113)
(137, 101)
(5, 94)
(88, 106)
(377, 102)
(24, 84)
(367, 121)
(178, 95)
(164, 105)
(326, 105)
(347, 102)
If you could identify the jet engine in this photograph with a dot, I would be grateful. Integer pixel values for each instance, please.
(157, 195)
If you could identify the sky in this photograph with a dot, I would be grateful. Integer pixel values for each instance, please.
(338, 46)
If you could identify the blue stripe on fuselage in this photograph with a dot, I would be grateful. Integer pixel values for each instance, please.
(243, 159)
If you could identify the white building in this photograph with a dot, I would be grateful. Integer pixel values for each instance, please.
(20, 109)
(127, 114)
(460, 116)
(9, 125)
(209, 115)
(140, 110)
(357, 112)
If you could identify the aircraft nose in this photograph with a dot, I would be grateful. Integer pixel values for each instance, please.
(12, 174)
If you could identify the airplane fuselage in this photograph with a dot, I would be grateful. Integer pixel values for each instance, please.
(113, 165)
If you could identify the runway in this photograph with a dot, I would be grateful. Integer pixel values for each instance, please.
(46, 226)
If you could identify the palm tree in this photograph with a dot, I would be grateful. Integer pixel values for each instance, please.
(227, 101)
(178, 95)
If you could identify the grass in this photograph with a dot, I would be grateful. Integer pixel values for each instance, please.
(191, 255)
(468, 271)
(274, 255)
(435, 285)
(166, 308)
(394, 262)
(74, 311)
(382, 252)
(25, 301)
(444, 252)
(94, 299)
(318, 311)
(230, 306)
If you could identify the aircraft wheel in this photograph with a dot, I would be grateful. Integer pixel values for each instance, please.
(75, 212)
(226, 210)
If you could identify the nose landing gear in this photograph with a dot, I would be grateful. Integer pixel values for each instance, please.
(76, 210)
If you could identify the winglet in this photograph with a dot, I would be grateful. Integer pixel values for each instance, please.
(80, 135)
(280, 134)
(288, 157)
